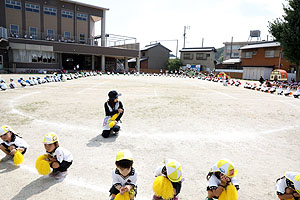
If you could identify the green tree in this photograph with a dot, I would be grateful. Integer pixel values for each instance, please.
(287, 32)
(174, 64)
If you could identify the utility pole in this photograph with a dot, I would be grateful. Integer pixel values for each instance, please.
(184, 34)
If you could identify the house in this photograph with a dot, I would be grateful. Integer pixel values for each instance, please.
(259, 59)
(58, 35)
(231, 67)
(153, 58)
(204, 56)
(232, 49)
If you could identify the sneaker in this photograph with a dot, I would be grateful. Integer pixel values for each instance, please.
(53, 173)
(61, 175)
(6, 158)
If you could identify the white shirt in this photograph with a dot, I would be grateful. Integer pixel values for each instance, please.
(12, 85)
(62, 154)
(215, 182)
(18, 142)
(3, 86)
(131, 179)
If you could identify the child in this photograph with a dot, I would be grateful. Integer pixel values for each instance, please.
(288, 186)
(171, 169)
(221, 175)
(112, 106)
(3, 85)
(11, 143)
(60, 159)
(12, 84)
(124, 176)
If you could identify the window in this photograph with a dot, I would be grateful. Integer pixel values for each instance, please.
(207, 55)
(82, 17)
(143, 54)
(236, 55)
(32, 8)
(248, 54)
(67, 35)
(14, 29)
(82, 37)
(187, 56)
(269, 54)
(67, 14)
(1, 62)
(50, 11)
(33, 33)
(13, 4)
(200, 56)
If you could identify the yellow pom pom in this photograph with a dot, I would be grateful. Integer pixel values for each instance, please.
(229, 194)
(162, 187)
(18, 158)
(114, 117)
(42, 166)
(125, 196)
(111, 124)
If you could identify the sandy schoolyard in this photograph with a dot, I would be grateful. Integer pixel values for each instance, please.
(193, 121)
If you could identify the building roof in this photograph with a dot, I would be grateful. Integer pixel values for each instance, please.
(133, 60)
(198, 49)
(84, 4)
(261, 45)
(147, 47)
(231, 61)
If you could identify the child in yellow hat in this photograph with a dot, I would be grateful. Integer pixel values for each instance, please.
(168, 187)
(60, 158)
(124, 176)
(12, 143)
(288, 186)
(220, 178)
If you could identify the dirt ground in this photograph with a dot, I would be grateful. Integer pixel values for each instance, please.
(193, 121)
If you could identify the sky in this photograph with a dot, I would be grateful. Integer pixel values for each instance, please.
(213, 21)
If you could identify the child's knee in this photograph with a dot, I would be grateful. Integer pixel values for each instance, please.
(55, 165)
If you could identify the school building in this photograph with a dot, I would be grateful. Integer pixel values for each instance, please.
(55, 35)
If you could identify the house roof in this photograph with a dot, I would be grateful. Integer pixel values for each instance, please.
(147, 47)
(84, 4)
(198, 49)
(231, 61)
(132, 60)
(261, 45)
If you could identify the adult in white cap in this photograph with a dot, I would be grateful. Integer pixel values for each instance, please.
(288, 186)
(114, 111)
(11, 143)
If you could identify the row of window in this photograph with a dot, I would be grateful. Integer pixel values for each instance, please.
(33, 32)
(47, 10)
(268, 54)
(199, 56)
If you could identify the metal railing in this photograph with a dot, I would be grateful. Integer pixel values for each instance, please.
(111, 40)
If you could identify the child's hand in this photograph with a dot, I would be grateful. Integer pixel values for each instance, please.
(122, 190)
(120, 110)
(12, 152)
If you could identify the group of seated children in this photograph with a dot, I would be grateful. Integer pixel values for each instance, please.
(222, 182)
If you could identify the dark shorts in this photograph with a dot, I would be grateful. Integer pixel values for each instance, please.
(63, 166)
(177, 187)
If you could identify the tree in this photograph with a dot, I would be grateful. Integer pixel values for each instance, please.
(174, 64)
(287, 32)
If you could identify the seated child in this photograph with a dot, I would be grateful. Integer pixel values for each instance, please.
(12, 84)
(171, 169)
(3, 85)
(60, 158)
(220, 176)
(288, 186)
(11, 143)
(124, 176)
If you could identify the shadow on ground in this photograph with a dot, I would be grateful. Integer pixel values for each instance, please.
(96, 141)
(35, 187)
(7, 166)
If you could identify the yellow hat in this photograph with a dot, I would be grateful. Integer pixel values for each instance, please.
(50, 138)
(174, 171)
(5, 129)
(124, 155)
(295, 178)
(226, 167)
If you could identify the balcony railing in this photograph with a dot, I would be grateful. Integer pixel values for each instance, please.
(93, 41)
